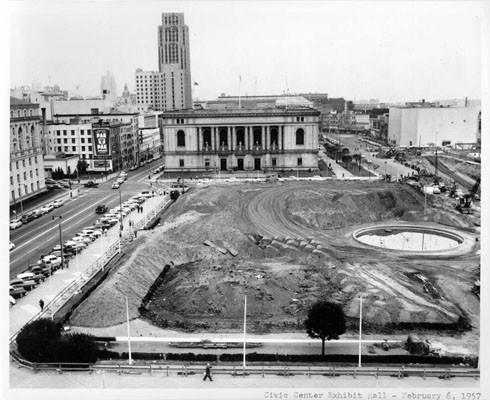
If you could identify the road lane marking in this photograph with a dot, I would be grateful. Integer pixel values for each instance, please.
(50, 229)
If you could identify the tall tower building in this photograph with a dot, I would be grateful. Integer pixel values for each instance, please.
(174, 61)
(108, 87)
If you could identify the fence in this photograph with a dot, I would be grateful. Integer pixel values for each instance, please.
(74, 287)
(186, 370)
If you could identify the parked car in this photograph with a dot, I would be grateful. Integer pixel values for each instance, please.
(17, 292)
(26, 285)
(101, 209)
(88, 231)
(90, 184)
(159, 169)
(145, 193)
(58, 203)
(55, 261)
(38, 213)
(15, 223)
(31, 276)
(50, 181)
(115, 185)
(37, 269)
(28, 217)
(47, 208)
(11, 300)
(82, 239)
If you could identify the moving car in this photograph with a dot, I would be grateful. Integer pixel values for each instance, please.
(115, 185)
(15, 223)
(11, 246)
(101, 209)
(90, 184)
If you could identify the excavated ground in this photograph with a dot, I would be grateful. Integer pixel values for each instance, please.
(294, 247)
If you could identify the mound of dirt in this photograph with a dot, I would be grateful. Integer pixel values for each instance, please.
(285, 246)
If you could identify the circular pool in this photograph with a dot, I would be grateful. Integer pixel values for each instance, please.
(409, 238)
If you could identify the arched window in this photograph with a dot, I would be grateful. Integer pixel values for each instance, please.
(25, 112)
(20, 138)
(300, 136)
(180, 139)
(11, 113)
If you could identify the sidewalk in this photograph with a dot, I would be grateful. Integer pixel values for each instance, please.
(28, 306)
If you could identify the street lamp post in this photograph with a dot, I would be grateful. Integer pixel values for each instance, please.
(436, 155)
(60, 217)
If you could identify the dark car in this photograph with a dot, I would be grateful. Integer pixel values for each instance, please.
(101, 209)
(28, 217)
(90, 184)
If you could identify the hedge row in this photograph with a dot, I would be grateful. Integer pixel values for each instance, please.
(402, 359)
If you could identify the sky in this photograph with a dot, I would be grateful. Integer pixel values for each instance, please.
(387, 50)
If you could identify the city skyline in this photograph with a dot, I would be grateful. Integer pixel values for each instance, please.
(386, 51)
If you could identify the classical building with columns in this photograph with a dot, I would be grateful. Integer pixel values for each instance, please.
(272, 139)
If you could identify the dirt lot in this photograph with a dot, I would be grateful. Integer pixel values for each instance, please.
(293, 247)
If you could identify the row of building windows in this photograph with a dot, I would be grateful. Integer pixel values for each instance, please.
(24, 162)
(19, 192)
(300, 136)
(299, 162)
(31, 175)
(19, 114)
(73, 140)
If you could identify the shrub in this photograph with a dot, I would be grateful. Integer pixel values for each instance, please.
(35, 339)
(75, 348)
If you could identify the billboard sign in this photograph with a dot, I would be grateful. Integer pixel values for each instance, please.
(101, 141)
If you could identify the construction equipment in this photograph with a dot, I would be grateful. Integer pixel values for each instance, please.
(466, 200)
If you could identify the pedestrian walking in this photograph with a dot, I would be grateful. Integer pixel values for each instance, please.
(41, 304)
(208, 373)
(105, 231)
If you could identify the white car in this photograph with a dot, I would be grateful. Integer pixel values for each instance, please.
(123, 173)
(55, 261)
(81, 239)
(11, 246)
(92, 232)
(145, 193)
(15, 223)
(58, 203)
(47, 208)
(115, 185)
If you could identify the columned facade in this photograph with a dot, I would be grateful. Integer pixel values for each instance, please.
(242, 139)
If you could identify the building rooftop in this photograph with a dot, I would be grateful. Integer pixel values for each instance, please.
(14, 101)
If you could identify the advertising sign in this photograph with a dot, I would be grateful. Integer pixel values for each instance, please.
(101, 141)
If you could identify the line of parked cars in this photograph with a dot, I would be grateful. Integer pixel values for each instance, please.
(38, 212)
(47, 264)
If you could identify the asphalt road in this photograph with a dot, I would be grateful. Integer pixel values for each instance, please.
(39, 236)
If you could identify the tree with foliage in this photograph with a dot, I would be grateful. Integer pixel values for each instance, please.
(82, 166)
(35, 339)
(42, 341)
(326, 320)
(74, 348)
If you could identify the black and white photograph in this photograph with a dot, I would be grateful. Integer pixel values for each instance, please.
(246, 199)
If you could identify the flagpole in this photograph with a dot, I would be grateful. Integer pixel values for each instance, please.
(239, 85)
(129, 334)
(244, 329)
(360, 330)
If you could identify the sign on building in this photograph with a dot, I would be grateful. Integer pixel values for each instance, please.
(101, 141)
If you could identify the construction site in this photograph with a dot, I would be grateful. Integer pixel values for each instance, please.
(289, 243)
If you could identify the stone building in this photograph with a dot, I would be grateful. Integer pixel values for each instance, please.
(272, 139)
(26, 155)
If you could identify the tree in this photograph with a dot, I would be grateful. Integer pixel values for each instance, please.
(74, 348)
(82, 166)
(35, 339)
(326, 320)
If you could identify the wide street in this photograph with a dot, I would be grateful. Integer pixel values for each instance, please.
(39, 236)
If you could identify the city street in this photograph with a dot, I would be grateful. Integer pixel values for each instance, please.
(39, 236)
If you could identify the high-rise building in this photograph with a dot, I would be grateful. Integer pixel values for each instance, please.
(174, 60)
(108, 87)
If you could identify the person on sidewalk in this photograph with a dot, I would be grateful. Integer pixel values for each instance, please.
(41, 304)
(208, 373)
